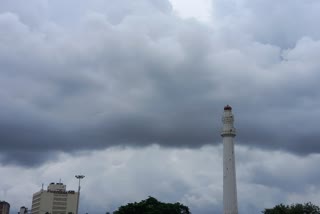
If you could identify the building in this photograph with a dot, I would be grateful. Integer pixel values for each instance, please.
(55, 200)
(23, 210)
(4, 207)
(230, 203)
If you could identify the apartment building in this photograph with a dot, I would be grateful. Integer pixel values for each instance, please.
(55, 200)
(4, 207)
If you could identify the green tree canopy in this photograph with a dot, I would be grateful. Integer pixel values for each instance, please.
(152, 206)
(307, 208)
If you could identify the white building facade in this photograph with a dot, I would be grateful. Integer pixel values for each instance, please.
(55, 200)
(230, 203)
(23, 210)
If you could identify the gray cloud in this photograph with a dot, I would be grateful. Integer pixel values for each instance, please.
(117, 176)
(272, 22)
(135, 74)
(87, 87)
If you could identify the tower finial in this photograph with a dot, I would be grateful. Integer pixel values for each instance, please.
(227, 108)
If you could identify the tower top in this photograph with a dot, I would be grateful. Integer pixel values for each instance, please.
(227, 120)
(227, 108)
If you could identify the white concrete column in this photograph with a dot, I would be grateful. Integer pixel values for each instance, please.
(230, 203)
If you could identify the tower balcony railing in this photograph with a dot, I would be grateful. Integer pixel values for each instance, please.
(228, 132)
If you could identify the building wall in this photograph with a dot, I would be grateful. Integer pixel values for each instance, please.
(54, 201)
(72, 203)
(4, 207)
(23, 210)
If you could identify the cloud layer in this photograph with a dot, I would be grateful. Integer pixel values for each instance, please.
(136, 74)
(192, 176)
(133, 93)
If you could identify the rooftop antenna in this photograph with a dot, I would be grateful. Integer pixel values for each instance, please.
(60, 180)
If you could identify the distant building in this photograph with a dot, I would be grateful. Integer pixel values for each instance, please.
(4, 207)
(55, 200)
(23, 210)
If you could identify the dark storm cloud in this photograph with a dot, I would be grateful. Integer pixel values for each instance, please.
(143, 76)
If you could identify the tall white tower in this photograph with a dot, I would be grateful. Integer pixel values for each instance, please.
(230, 203)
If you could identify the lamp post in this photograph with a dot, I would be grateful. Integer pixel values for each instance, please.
(79, 177)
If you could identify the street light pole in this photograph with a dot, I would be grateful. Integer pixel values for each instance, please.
(79, 177)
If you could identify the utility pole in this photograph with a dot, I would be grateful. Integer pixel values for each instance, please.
(79, 177)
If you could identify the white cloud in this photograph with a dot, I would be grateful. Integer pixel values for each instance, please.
(117, 176)
(198, 9)
(274, 22)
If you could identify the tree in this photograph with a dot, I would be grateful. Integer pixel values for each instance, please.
(152, 206)
(307, 208)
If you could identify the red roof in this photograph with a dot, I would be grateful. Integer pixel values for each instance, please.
(227, 107)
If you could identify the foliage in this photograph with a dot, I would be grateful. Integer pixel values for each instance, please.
(152, 206)
(307, 208)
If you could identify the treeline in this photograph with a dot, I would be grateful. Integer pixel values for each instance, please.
(152, 206)
(307, 208)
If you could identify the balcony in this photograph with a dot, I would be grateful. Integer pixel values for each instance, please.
(228, 132)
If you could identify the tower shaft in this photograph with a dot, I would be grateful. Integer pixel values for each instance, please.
(230, 203)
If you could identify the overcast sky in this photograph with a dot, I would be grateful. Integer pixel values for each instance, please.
(131, 94)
